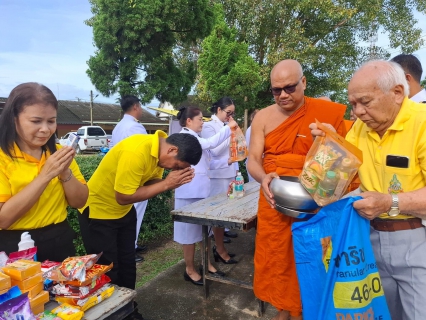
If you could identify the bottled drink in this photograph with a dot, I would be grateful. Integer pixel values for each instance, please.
(26, 242)
(344, 172)
(326, 187)
(239, 185)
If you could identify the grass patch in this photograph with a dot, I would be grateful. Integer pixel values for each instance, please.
(156, 261)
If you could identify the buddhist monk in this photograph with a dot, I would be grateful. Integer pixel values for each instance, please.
(281, 133)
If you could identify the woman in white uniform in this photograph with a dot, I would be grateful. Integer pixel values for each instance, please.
(222, 110)
(187, 234)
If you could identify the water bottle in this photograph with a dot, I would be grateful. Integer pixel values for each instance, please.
(344, 172)
(326, 187)
(239, 185)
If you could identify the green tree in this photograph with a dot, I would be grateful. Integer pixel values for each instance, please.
(140, 44)
(329, 38)
(423, 83)
(226, 69)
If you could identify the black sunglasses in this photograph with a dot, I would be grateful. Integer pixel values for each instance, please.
(229, 113)
(287, 89)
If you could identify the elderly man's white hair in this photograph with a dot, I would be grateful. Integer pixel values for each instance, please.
(390, 75)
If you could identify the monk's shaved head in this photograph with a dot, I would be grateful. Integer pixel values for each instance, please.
(288, 85)
(289, 66)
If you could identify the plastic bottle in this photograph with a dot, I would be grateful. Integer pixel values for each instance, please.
(26, 242)
(326, 187)
(344, 173)
(239, 185)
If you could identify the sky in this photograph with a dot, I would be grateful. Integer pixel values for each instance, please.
(47, 41)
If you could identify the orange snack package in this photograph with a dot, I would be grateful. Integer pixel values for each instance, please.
(73, 268)
(91, 275)
(29, 282)
(22, 269)
(34, 291)
(5, 283)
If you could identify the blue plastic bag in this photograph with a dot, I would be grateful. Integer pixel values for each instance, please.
(336, 268)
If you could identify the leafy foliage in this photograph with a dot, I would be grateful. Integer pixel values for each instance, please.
(141, 46)
(329, 38)
(157, 220)
(225, 67)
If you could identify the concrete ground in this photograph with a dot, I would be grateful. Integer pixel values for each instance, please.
(168, 296)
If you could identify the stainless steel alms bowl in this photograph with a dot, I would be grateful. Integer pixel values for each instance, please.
(290, 194)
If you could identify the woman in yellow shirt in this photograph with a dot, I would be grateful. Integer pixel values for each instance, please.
(38, 179)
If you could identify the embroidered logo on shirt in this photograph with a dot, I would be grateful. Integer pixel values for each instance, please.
(395, 186)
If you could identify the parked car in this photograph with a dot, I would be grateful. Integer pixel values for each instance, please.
(91, 138)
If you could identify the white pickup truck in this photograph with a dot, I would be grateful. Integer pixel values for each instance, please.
(91, 138)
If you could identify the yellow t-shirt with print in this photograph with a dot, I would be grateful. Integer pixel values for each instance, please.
(406, 137)
(127, 166)
(17, 172)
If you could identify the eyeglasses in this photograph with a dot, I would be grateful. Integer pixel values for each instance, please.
(287, 89)
(229, 113)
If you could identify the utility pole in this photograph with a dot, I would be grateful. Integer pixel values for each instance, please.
(91, 107)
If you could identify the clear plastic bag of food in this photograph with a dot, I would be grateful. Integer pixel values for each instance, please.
(330, 166)
(237, 146)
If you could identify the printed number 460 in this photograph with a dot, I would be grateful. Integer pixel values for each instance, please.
(364, 293)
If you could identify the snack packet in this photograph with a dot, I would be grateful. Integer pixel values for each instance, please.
(332, 160)
(28, 254)
(80, 292)
(47, 315)
(73, 268)
(16, 308)
(66, 311)
(97, 297)
(91, 275)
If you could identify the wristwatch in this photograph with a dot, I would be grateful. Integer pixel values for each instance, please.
(394, 210)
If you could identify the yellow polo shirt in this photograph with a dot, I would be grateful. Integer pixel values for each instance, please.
(127, 166)
(17, 172)
(406, 137)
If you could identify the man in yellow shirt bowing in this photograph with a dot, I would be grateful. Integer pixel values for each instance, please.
(132, 172)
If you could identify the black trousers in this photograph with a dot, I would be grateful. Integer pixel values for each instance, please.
(53, 242)
(116, 239)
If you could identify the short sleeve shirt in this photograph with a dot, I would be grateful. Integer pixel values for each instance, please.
(407, 138)
(18, 172)
(126, 167)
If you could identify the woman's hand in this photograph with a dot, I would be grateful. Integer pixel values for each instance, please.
(58, 163)
(232, 123)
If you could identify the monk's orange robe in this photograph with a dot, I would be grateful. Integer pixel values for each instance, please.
(348, 124)
(275, 279)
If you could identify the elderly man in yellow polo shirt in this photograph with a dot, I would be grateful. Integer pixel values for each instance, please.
(132, 172)
(391, 132)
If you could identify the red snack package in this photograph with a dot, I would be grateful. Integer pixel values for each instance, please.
(27, 254)
(80, 292)
(91, 275)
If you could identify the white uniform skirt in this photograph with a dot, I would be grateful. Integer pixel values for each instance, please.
(187, 233)
(219, 185)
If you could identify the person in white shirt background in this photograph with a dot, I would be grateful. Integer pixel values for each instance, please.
(222, 110)
(128, 126)
(413, 73)
(188, 234)
(248, 135)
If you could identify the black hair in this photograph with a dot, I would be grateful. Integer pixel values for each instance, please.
(127, 102)
(410, 64)
(187, 113)
(21, 96)
(189, 149)
(222, 103)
